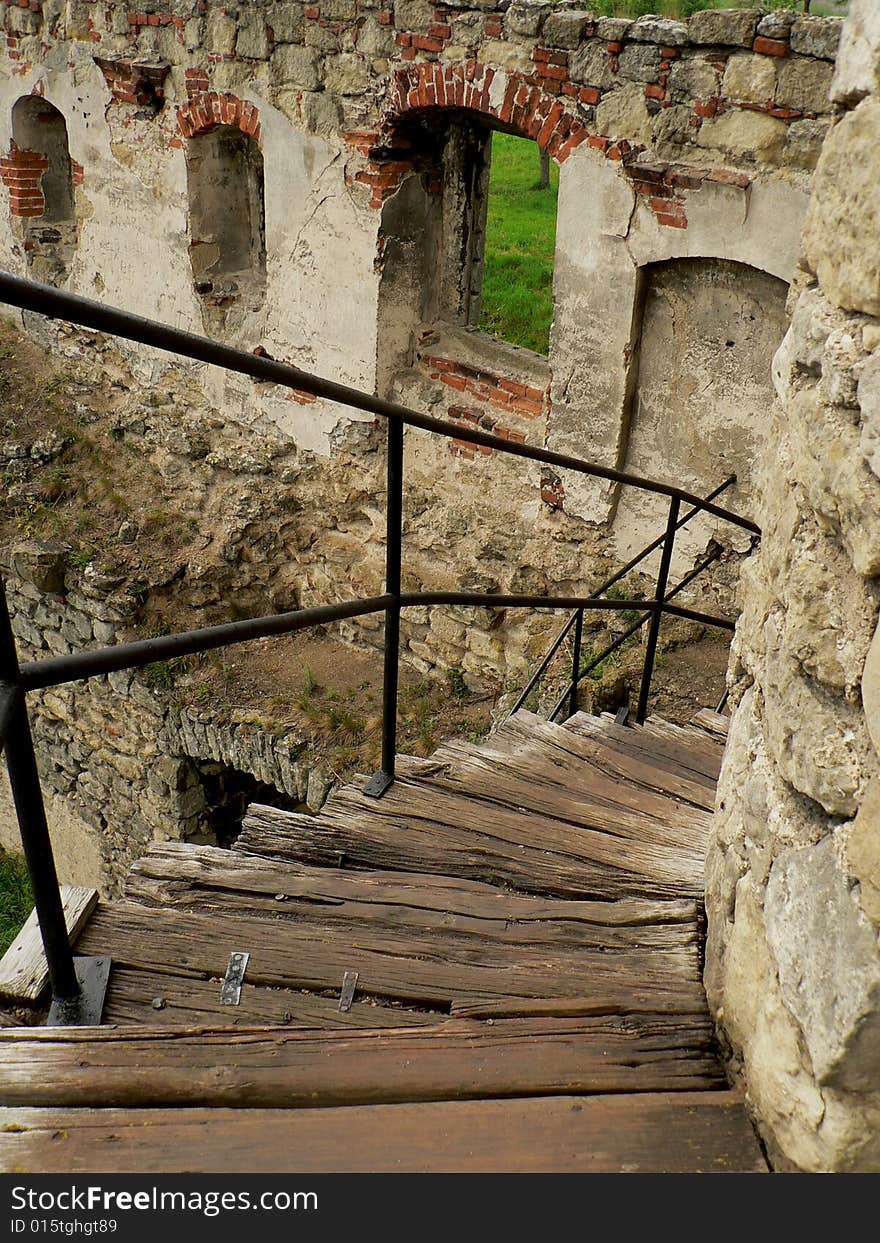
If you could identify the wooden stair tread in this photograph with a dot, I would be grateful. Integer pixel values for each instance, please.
(667, 746)
(430, 968)
(535, 768)
(677, 1132)
(280, 1067)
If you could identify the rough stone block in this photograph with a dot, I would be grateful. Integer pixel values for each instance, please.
(287, 22)
(590, 66)
(692, 78)
(776, 25)
(829, 964)
(252, 42)
(816, 36)
(842, 230)
(298, 66)
(863, 853)
(804, 84)
(728, 27)
(803, 146)
(40, 563)
(750, 134)
(566, 29)
(347, 74)
(662, 30)
(751, 79)
(639, 62)
(857, 72)
(526, 17)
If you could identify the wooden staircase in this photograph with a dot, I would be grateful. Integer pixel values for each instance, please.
(524, 917)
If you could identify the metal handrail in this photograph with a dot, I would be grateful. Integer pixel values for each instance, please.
(16, 680)
(600, 591)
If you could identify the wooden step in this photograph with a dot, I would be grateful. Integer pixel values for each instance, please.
(459, 1059)
(679, 1132)
(429, 967)
(539, 808)
(713, 723)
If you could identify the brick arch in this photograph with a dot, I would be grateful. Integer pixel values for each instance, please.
(206, 110)
(506, 98)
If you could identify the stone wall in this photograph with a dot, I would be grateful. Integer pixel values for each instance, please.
(677, 143)
(793, 964)
(121, 762)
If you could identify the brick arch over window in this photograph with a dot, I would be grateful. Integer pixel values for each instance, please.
(205, 110)
(226, 196)
(507, 100)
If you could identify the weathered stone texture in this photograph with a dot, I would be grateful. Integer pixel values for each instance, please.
(842, 234)
(793, 877)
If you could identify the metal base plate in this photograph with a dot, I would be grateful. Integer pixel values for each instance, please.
(378, 784)
(86, 1009)
(622, 715)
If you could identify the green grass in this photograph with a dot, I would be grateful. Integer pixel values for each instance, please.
(520, 242)
(16, 900)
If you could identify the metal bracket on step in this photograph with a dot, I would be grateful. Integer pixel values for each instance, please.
(378, 784)
(230, 993)
(86, 1008)
(621, 717)
(349, 984)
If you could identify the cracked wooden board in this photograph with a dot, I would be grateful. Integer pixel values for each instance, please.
(678, 1132)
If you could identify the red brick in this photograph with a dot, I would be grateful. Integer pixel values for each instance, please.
(615, 48)
(556, 73)
(770, 47)
(672, 222)
(707, 107)
(653, 91)
(589, 95)
(426, 44)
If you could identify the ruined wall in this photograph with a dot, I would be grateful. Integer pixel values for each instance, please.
(691, 142)
(793, 963)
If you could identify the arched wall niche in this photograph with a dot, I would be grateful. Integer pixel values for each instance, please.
(41, 177)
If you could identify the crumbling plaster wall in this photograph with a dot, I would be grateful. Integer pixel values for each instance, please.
(675, 140)
(793, 962)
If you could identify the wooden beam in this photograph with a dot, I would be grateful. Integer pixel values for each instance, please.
(24, 974)
(668, 1133)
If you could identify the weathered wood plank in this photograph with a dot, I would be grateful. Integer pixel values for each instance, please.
(24, 975)
(619, 752)
(202, 878)
(458, 1060)
(613, 999)
(543, 778)
(430, 969)
(188, 1000)
(655, 747)
(714, 723)
(415, 828)
(680, 1132)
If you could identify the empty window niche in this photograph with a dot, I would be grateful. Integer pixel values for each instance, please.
(520, 243)
(40, 180)
(227, 216)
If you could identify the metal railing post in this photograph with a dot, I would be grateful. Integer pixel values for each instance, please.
(657, 616)
(30, 810)
(380, 781)
(576, 662)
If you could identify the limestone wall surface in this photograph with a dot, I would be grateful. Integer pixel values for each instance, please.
(793, 962)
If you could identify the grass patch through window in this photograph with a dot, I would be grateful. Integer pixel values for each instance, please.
(16, 900)
(520, 245)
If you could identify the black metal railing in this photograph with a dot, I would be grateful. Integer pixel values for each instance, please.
(575, 622)
(68, 976)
